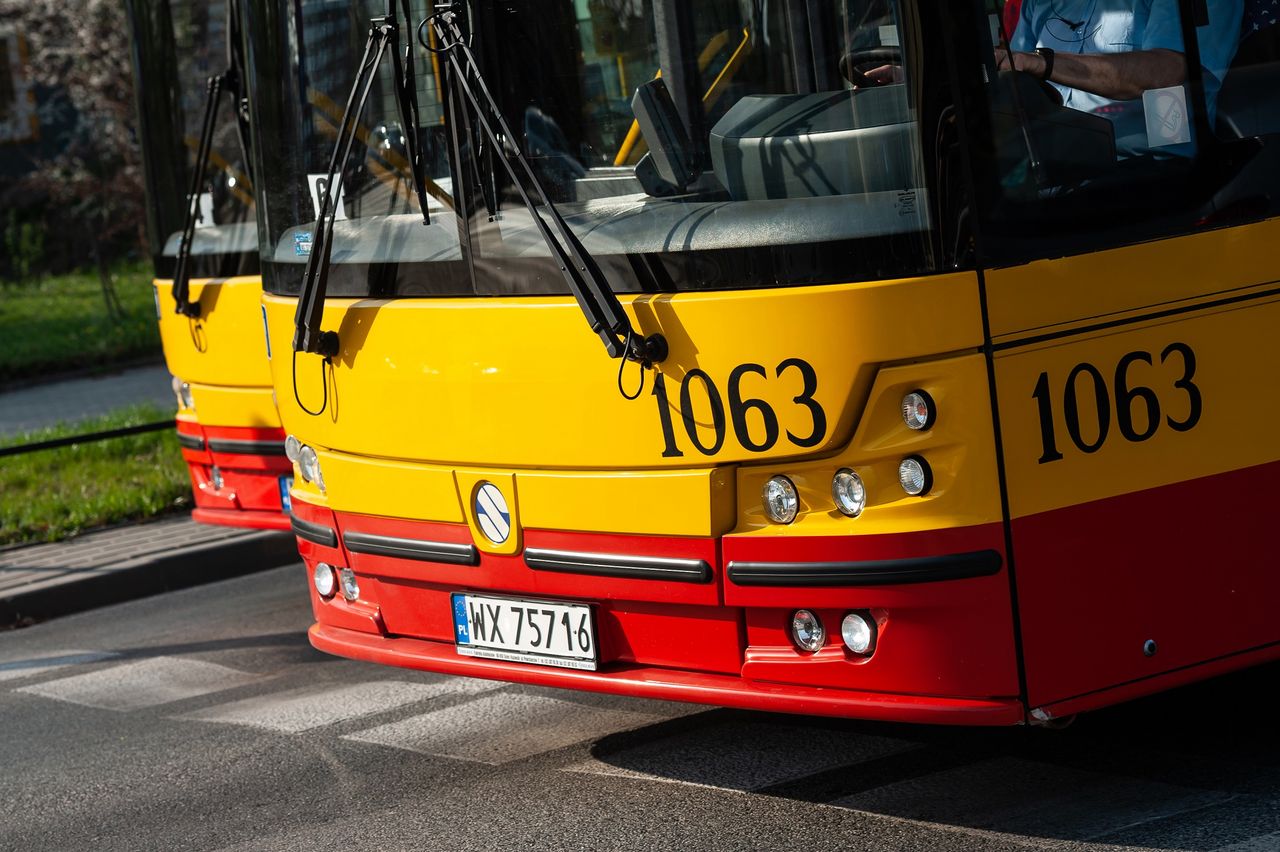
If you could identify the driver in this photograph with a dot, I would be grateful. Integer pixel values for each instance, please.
(1123, 59)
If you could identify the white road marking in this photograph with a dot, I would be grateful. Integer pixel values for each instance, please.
(498, 729)
(316, 706)
(1019, 797)
(145, 683)
(47, 661)
(742, 756)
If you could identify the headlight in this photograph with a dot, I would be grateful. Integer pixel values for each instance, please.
(858, 634)
(807, 630)
(918, 410)
(325, 581)
(309, 466)
(182, 393)
(848, 492)
(215, 478)
(350, 586)
(781, 502)
(915, 476)
(292, 447)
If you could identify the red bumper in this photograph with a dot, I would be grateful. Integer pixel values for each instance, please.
(706, 621)
(253, 471)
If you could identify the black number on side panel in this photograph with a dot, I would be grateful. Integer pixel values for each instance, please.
(1125, 397)
(669, 448)
(1185, 384)
(717, 412)
(806, 399)
(1044, 403)
(1071, 408)
(738, 408)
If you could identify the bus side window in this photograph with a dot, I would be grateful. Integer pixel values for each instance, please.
(1160, 152)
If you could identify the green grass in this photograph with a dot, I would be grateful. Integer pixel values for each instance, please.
(52, 494)
(61, 323)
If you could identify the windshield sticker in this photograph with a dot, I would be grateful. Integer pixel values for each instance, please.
(319, 184)
(302, 244)
(1166, 113)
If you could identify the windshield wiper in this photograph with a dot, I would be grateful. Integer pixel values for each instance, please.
(384, 32)
(586, 281)
(231, 80)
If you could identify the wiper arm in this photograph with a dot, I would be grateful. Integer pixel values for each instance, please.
(231, 80)
(585, 279)
(383, 33)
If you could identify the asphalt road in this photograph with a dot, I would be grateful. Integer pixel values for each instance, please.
(202, 719)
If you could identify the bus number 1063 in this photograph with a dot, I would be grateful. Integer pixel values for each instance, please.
(1137, 407)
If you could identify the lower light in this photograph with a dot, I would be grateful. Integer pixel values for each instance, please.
(325, 581)
(915, 476)
(350, 586)
(848, 492)
(215, 477)
(292, 447)
(781, 502)
(807, 631)
(858, 633)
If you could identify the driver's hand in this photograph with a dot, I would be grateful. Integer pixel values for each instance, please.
(884, 75)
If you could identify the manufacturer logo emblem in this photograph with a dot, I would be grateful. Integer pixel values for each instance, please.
(492, 514)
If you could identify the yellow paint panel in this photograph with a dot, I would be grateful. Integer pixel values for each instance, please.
(225, 345)
(959, 447)
(235, 406)
(523, 383)
(1234, 376)
(375, 487)
(1052, 294)
(678, 503)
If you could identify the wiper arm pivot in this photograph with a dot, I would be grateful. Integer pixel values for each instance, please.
(585, 279)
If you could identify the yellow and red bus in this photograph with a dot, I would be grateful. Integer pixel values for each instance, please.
(923, 394)
(193, 128)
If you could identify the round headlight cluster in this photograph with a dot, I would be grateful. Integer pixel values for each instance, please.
(292, 447)
(807, 631)
(781, 501)
(858, 632)
(350, 586)
(849, 492)
(915, 476)
(917, 410)
(309, 466)
(325, 580)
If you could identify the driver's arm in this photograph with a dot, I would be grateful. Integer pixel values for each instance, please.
(1118, 76)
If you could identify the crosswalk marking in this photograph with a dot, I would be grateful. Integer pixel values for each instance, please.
(1023, 797)
(316, 706)
(47, 661)
(145, 683)
(501, 728)
(741, 755)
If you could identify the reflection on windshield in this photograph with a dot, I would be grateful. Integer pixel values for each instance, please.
(657, 127)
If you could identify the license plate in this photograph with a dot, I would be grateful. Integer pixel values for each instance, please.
(286, 504)
(520, 631)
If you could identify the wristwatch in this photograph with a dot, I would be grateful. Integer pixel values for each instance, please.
(1046, 53)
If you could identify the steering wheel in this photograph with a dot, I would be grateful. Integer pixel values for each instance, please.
(853, 63)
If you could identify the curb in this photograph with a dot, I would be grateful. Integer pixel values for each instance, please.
(148, 575)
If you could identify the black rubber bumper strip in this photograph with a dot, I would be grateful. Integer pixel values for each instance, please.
(191, 442)
(447, 552)
(242, 447)
(314, 533)
(878, 572)
(614, 565)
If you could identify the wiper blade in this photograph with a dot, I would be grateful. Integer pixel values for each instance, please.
(384, 32)
(232, 81)
(586, 281)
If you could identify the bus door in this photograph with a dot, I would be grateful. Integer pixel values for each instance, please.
(1130, 290)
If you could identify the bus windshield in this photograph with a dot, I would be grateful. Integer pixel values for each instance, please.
(713, 145)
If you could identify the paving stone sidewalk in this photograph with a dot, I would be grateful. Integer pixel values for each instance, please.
(45, 580)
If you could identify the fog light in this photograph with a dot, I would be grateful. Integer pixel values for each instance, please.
(849, 493)
(350, 586)
(781, 502)
(182, 393)
(324, 580)
(915, 476)
(858, 634)
(215, 477)
(309, 466)
(918, 410)
(807, 631)
(292, 447)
